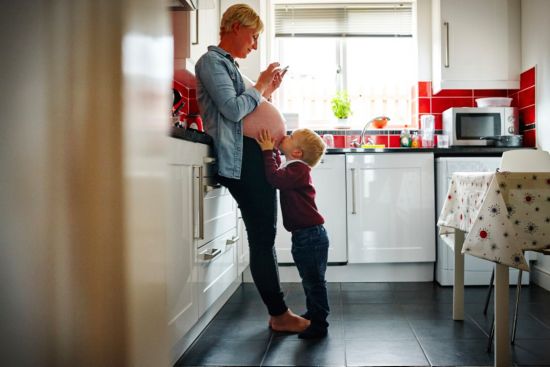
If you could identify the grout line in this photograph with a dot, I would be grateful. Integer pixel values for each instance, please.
(419, 343)
(267, 349)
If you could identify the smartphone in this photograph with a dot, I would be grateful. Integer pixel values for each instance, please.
(285, 69)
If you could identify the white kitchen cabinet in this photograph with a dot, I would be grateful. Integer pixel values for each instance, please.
(202, 246)
(390, 207)
(476, 44)
(183, 308)
(330, 186)
(194, 31)
(217, 268)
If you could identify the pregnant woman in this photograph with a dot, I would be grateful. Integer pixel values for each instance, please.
(224, 103)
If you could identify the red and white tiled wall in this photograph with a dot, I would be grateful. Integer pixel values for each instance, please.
(435, 104)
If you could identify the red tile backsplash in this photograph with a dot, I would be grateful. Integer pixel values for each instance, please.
(424, 89)
(441, 104)
(530, 138)
(527, 78)
(454, 93)
(481, 93)
(526, 97)
(428, 103)
(527, 115)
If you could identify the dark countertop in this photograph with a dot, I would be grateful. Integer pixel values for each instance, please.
(438, 152)
(190, 135)
(200, 137)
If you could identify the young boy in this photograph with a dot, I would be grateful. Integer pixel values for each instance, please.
(303, 149)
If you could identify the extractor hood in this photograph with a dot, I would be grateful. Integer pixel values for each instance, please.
(188, 5)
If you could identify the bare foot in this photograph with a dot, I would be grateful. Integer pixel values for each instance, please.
(288, 322)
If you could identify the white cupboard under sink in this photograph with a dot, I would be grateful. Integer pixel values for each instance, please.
(390, 208)
(330, 186)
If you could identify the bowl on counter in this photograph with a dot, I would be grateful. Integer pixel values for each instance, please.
(379, 122)
(494, 102)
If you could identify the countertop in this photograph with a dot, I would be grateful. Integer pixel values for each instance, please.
(200, 137)
(438, 152)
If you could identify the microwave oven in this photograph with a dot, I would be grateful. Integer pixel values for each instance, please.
(468, 125)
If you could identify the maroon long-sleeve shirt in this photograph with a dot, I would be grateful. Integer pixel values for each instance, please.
(296, 191)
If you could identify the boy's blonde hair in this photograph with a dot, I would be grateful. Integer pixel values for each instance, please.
(311, 144)
(242, 14)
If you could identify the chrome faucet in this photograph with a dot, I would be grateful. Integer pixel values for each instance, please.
(369, 140)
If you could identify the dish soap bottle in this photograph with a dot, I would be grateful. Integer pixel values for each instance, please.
(415, 140)
(405, 139)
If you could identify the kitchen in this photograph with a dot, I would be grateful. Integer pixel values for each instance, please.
(97, 70)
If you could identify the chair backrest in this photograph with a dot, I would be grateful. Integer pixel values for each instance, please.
(525, 160)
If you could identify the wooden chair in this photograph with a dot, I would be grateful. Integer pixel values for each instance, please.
(519, 160)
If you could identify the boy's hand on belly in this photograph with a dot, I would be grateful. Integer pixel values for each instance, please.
(265, 140)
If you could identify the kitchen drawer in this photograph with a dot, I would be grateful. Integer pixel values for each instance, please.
(220, 214)
(217, 268)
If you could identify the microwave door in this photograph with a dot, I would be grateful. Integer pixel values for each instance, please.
(471, 127)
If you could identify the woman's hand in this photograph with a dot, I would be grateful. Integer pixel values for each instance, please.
(265, 141)
(266, 78)
(275, 83)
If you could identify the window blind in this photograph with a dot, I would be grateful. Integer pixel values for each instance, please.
(344, 20)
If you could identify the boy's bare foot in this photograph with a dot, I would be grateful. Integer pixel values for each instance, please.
(288, 322)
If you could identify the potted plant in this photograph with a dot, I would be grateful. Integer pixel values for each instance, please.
(341, 107)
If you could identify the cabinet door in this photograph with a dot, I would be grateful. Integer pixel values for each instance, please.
(330, 186)
(476, 44)
(181, 272)
(217, 268)
(390, 208)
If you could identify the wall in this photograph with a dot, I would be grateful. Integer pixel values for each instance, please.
(535, 40)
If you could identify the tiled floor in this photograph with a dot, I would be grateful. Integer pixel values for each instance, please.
(374, 324)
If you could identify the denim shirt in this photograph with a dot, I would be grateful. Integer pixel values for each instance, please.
(224, 101)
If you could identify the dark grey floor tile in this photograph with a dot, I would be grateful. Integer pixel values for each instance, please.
(529, 352)
(422, 296)
(220, 352)
(246, 311)
(297, 352)
(367, 297)
(346, 287)
(236, 329)
(457, 352)
(447, 329)
(377, 330)
(413, 286)
(335, 331)
(372, 311)
(427, 311)
(384, 353)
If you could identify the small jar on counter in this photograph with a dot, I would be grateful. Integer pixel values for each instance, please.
(415, 140)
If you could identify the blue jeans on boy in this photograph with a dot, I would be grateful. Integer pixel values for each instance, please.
(310, 254)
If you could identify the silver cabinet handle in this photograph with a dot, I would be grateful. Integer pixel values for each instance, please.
(209, 160)
(196, 41)
(198, 176)
(232, 241)
(446, 25)
(353, 208)
(211, 254)
(208, 188)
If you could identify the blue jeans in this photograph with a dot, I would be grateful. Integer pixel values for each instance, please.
(257, 201)
(310, 253)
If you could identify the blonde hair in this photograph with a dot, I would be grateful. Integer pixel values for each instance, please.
(311, 144)
(242, 14)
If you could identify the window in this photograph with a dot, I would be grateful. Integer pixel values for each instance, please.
(366, 49)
